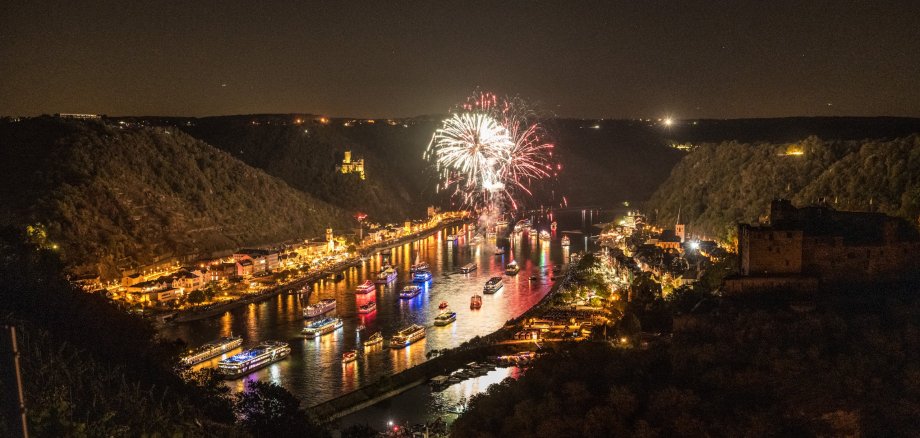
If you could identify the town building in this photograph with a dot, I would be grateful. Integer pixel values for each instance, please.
(804, 248)
(251, 261)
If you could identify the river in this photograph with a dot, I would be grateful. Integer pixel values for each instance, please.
(314, 372)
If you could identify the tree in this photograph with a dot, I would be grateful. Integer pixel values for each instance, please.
(268, 410)
(196, 296)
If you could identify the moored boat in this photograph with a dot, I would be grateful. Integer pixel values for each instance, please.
(407, 336)
(321, 327)
(253, 359)
(445, 318)
(209, 350)
(494, 285)
(366, 288)
(368, 308)
(475, 301)
(321, 307)
(374, 339)
(410, 292)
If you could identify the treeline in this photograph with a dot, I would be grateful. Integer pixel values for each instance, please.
(717, 185)
(112, 198)
(739, 368)
(89, 369)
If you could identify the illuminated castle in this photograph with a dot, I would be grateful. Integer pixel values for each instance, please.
(348, 166)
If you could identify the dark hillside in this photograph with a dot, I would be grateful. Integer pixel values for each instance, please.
(114, 198)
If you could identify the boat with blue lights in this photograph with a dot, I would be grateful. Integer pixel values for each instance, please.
(250, 360)
(421, 277)
(387, 276)
(322, 327)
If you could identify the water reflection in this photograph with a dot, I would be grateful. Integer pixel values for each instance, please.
(314, 370)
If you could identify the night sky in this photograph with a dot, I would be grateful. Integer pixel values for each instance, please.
(686, 59)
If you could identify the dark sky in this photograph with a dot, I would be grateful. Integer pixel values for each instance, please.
(617, 59)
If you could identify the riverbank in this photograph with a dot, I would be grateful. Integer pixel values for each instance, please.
(219, 309)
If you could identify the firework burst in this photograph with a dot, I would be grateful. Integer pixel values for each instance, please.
(489, 151)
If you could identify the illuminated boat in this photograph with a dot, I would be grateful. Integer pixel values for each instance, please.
(445, 318)
(443, 305)
(544, 235)
(366, 288)
(375, 339)
(209, 350)
(552, 225)
(253, 359)
(512, 268)
(566, 241)
(500, 251)
(421, 277)
(467, 268)
(387, 276)
(420, 266)
(368, 308)
(349, 356)
(322, 327)
(453, 237)
(501, 223)
(494, 285)
(319, 308)
(475, 301)
(407, 336)
(410, 292)
(491, 234)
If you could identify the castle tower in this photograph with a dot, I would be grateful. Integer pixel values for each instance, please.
(347, 157)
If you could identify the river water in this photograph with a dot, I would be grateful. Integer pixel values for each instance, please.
(314, 371)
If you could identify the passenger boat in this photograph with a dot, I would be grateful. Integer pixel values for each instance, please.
(512, 268)
(453, 237)
(209, 350)
(368, 308)
(566, 241)
(322, 327)
(494, 285)
(467, 268)
(407, 336)
(349, 356)
(443, 305)
(544, 235)
(387, 276)
(410, 292)
(366, 288)
(500, 251)
(253, 359)
(375, 339)
(419, 266)
(319, 308)
(360, 327)
(421, 277)
(475, 301)
(445, 318)
(552, 225)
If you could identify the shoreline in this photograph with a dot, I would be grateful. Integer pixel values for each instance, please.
(255, 298)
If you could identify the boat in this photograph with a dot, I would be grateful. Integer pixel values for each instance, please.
(512, 268)
(491, 234)
(322, 327)
(209, 350)
(552, 225)
(366, 288)
(419, 266)
(467, 268)
(421, 277)
(410, 292)
(349, 356)
(368, 308)
(475, 301)
(387, 276)
(494, 285)
(566, 241)
(374, 339)
(407, 336)
(253, 359)
(544, 235)
(453, 237)
(443, 305)
(501, 223)
(477, 238)
(319, 308)
(500, 251)
(360, 327)
(445, 318)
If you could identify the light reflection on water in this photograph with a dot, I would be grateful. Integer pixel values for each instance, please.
(314, 371)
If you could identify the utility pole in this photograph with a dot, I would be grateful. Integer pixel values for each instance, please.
(14, 403)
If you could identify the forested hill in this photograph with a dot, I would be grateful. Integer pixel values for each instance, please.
(113, 198)
(718, 184)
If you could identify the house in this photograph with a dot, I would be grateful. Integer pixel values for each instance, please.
(251, 261)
